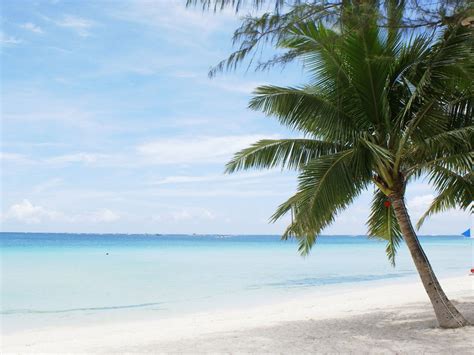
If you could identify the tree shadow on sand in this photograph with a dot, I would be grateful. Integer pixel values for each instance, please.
(408, 329)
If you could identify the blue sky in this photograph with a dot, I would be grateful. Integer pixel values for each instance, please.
(110, 124)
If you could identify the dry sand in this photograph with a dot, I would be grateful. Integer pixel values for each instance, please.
(381, 319)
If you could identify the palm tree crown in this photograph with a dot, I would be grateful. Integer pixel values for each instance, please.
(380, 109)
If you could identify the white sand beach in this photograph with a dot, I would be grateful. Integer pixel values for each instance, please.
(389, 318)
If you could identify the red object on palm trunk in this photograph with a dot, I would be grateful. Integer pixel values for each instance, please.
(386, 204)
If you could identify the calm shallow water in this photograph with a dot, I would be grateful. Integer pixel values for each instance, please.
(54, 279)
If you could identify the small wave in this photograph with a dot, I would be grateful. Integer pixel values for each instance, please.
(36, 311)
(311, 282)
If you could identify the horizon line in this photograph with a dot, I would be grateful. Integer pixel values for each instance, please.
(213, 234)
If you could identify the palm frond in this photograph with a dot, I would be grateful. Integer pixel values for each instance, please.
(454, 190)
(364, 50)
(433, 78)
(287, 153)
(304, 110)
(318, 47)
(327, 185)
(382, 224)
(453, 149)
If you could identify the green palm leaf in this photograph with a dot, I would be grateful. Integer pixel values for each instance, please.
(454, 190)
(287, 153)
(382, 224)
(327, 185)
(306, 111)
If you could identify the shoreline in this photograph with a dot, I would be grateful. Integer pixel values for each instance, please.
(400, 306)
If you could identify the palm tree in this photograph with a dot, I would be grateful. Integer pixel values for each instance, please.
(268, 21)
(380, 110)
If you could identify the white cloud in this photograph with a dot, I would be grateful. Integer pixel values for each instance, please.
(143, 61)
(78, 24)
(32, 27)
(218, 192)
(181, 215)
(419, 204)
(195, 149)
(168, 151)
(185, 214)
(175, 24)
(26, 212)
(185, 179)
(436, 224)
(6, 40)
(173, 15)
(104, 215)
(186, 74)
(24, 103)
(29, 213)
(48, 185)
(171, 180)
(6, 157)
(86, 158)
(73, 158)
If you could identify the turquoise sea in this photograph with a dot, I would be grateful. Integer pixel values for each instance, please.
(57, 279)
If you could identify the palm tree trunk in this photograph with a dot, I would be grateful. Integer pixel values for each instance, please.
(447, 315)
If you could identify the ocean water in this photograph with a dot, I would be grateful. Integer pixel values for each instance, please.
(57, 279)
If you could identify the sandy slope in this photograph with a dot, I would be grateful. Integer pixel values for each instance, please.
(394, 318)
